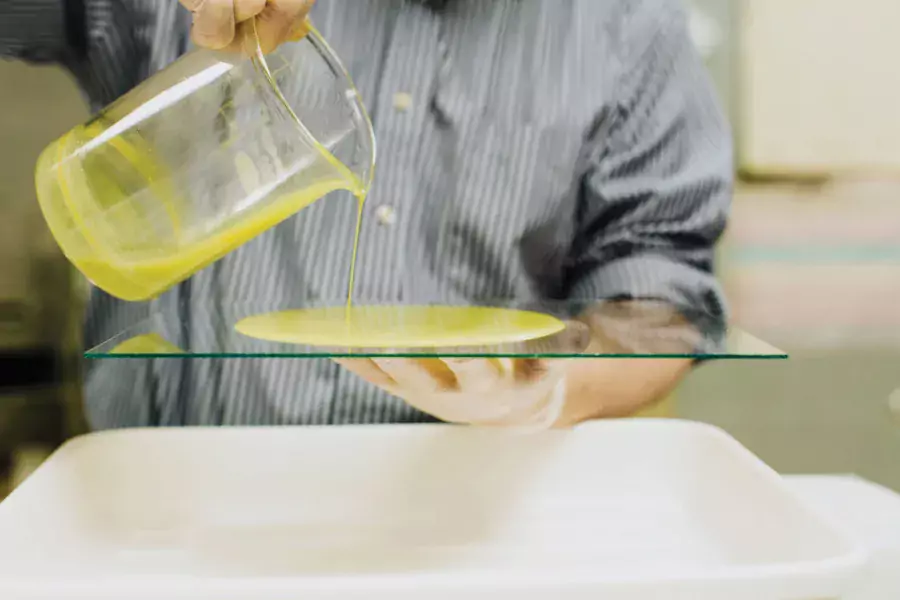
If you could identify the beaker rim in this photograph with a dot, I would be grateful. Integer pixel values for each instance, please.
(360, 114)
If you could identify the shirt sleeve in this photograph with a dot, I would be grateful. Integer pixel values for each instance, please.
(103, 43)
(659, 177)
(42, 30)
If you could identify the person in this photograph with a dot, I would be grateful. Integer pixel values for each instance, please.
(529, 150)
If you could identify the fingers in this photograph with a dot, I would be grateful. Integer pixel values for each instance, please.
(418, 376)
(574, 339)
(365, 369)
(277, 22)
(489, 391)
(477, 376)
(213, 23)
(530, 370)
(537, 405)
(470, 376)
(244, 10)
(547, 413)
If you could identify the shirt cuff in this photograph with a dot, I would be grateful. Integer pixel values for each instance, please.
(695, 294)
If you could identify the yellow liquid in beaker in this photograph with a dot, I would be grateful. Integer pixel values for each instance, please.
(143, 279)
(89, 204)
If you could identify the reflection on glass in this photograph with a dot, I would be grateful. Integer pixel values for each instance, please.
(146, 344)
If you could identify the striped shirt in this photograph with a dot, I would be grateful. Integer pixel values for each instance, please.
(550, 149)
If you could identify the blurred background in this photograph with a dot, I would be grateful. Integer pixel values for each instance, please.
(811, 262)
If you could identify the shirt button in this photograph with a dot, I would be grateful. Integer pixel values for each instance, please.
(402, 101)
(386, 215)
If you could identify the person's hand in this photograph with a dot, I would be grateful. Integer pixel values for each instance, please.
(520, 393)
(218, 23)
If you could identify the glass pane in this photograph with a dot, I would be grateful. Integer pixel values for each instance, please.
(507, 328)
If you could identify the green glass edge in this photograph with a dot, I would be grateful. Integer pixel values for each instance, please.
(212, 355)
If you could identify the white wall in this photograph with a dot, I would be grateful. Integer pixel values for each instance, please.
(820, 86)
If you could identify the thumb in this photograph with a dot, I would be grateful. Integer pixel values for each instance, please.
(547, 413)
(278, 21)
(573, 339)
(213, 23)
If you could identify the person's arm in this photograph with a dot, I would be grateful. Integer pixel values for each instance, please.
(102, 43)
(43, 30)
(654, 199)
(653, 204)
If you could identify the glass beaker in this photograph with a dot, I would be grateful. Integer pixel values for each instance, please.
(199, 159)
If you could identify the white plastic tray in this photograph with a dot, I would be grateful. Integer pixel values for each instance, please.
(615, 510)
(871, 514)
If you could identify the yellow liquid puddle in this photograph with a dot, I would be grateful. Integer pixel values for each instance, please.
(398, 327)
